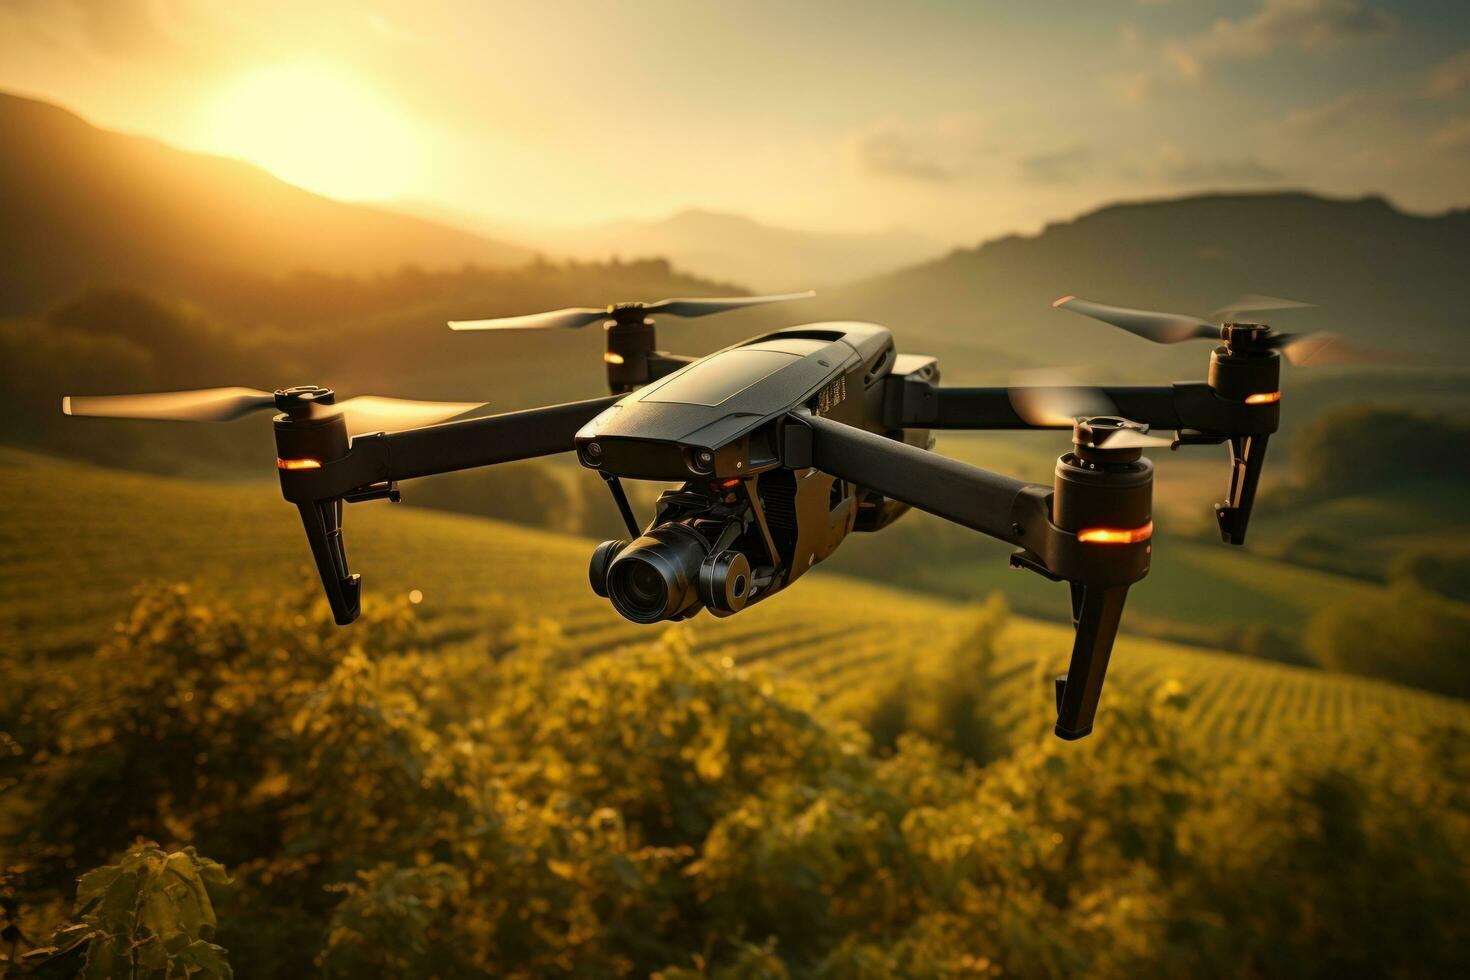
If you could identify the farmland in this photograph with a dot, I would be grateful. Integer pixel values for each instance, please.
(79, 538)
(492, 773)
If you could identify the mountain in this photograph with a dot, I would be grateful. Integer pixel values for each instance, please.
(727, 247)
(1376, 273)
(80, 205)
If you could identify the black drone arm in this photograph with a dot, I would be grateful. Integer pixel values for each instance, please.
(320, 469)
(967, 495)
(1189, 406)
(1202, 413)
(1015, 512)
(482, 442)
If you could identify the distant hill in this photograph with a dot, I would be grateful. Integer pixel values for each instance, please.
(1375, 272)
(727, 247)
(80, 205)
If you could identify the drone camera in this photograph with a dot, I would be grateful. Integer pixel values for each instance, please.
(656, 577)
(726, 582)
(691, 558)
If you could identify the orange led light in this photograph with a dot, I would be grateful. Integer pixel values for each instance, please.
(298, 464)
(1264, 398)
(612, 358)
(729, 483)
(1116, 535)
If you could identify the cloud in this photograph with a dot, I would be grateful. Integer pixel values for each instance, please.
(1303, 25)
(124, 29)
(1061, 167)
(1300, 25)
(1385, 120)
(935, 150)
(1348, 109)
(1453, 135)
(1132, 89)
(1450, 77)
(1184, 170)
(1275, 25)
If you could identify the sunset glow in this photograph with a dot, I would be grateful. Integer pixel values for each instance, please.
(318, 129)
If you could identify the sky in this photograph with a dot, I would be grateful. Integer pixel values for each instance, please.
(958, 120)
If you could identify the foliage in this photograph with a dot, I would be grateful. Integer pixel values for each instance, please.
(655, 810)
(1366, 447)
(1441, 567)
(1270, 643)
(947, 695)
(148, 915)
(1406, 635)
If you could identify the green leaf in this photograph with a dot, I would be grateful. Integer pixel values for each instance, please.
(206, 960)
(94, 883)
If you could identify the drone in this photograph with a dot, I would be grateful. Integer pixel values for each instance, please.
(782, 445)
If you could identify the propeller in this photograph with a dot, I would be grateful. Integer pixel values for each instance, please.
(1111, 432)
(1129, 438)
(365, 413)
(207, 405)
(1161, 328)
(1256, 303)
(1320, 348)
(582, 316)
(1054, 398)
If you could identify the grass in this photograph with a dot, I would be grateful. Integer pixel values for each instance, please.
(77, 539)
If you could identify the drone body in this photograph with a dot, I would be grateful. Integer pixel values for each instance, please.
(783, 445)
(753, 522)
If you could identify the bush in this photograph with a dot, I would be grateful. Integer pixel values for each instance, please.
(148, 916)
(1404, 635)
(656, 811)
(1271, 643)
(1366, 447)
(527, 492)
(947, 695)
(1441, 568)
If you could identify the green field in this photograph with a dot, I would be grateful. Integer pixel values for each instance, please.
(77, 539)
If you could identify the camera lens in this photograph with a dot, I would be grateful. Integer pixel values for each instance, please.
(640, 587)
(653, 578)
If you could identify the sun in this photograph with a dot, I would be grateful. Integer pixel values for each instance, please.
(317, 128)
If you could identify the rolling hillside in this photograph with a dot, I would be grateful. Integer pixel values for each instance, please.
(82, 206)
(729, 247)
(1373, 270)
(79, 538)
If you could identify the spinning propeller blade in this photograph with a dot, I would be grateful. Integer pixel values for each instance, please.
(205, 405)
(568, 319)
(1316, 349)
(582, 316)
(374, 413)
(704, 307)
(1326, 349)
(1256, 303)
(1161, 328)
(1055, 399)
(1128, 438)
(1113, 432)
(365, 413)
